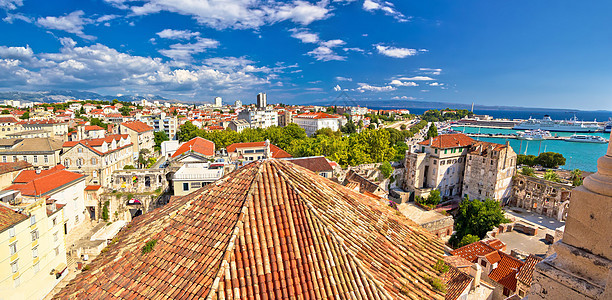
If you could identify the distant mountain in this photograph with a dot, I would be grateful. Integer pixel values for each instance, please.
(63, 95)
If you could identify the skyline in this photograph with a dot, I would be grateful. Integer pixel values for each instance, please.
(299, 51)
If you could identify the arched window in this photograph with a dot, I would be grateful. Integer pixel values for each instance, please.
(67, 162)
(94, 161)
(79, 162)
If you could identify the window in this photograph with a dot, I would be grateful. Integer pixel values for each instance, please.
(35, 252)
(459, 160)
(196, 185)
(34, 235)
(94, 173)
(36, 268)
(46, 158)
(94, 161)
(3, 159)
(32, 220)
(15, 267)
(435, 161)
(55, 237)
(436, 151)
(185, 186)
(35, 158)
(12, 232)
(13, 248)
(506, 291)
(79, 150)
(67, 162)
(441, 162)
(79, 162)
(483, 263)
(14, 158)
(56, 251)
(25, 158)
(445, 151)
(54, 221)
(76, 219)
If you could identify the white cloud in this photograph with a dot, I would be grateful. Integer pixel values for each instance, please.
(416, 78)
(333, 43)
(366, 87)
(305, 36)
(340, 78)
(105, 18)
(347, 49)
(337, 88)
(72, 23)
(325, 54)
(386, 7)
(435, 84)
(430, 71)
(18, 53)
(10, 4)
(403, 83)
(237, 14)
(177, 34)
(18, 16)
(395, 52)
(403, 98)
(186, 51)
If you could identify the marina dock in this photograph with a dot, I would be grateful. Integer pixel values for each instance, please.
(511, 136)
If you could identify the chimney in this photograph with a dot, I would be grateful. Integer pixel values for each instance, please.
(475, 272)
(430, 141)
(267, 152)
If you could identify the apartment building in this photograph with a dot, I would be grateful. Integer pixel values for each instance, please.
(313, 121)
(259, 118)
(42, 153)
(255, 151)
(140, 134)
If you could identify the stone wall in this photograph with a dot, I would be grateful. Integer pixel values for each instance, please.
(147, 180)
(541, 196)
(442, 228)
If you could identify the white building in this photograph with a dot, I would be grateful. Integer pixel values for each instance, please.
(218, 102)
(162, 122)
(259, 118)
(193, 176)
(262, 100)
(238, 104)
(311, 122)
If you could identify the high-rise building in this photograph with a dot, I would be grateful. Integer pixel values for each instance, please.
(238, 104)
(262, 101)
(218, 102)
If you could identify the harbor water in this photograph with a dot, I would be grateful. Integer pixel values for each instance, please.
(581, 156)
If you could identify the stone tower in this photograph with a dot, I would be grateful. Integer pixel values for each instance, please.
(582, 265)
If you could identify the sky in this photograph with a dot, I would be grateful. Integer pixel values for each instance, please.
(520, 53)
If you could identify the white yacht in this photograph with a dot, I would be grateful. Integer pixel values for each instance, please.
(608, 125)
(583, 138)
(534, 135)
(546, 123)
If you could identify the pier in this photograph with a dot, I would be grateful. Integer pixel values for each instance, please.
(512, 136)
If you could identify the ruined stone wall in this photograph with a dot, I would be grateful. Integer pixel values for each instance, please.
(489, 176)
(147, 180)
(442, 228)
(544, 197)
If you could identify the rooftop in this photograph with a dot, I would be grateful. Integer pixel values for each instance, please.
(197, 144)
(31, 183)
(449, 141)
(313, 163)
(14, 166)
(137, 126)
(267, 230)
(316, 115)
(276, 151)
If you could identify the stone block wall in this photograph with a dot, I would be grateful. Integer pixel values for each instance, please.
(541, 196)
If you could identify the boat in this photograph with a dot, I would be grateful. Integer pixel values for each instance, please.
(608, 126)
(546, 123)
(583, 138)
(534, 135)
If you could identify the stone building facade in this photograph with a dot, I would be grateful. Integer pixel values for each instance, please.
(541, 196)
(139, 180)
(489, 168)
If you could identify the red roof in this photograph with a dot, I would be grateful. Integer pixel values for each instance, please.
(90, 143)
(137, 126)
(8, 217)
(316, 115)
(481, 248)
(505, 273)
(14, 166)
(525, 275)
(276, 152)
(32, 184)
(8, 120)
(197, 144)
(93, 127)
(449, 141)
(92, 187)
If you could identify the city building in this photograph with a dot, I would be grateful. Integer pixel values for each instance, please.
(41, 128)
(352, 110)
(318, 164)
(272, 231)
(42, 153)
(195, 150)
(285, 118)
(56, 185)
(255, 151)
(489, 169)
(435, 222)
(313, 121)
(32, 248)
(541, 196)
(193, 176)
(238, 125)
(8, 125)
(169, 147)
(259, 118)
(262, 101)
(218, 102)
(163, 122)
(524, 277)
(141, 136)
(237, 104)
(98, 158)
(10, 170)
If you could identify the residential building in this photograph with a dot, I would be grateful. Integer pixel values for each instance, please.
(255, 151)
(91, 132)
(238, 125)
(169, 147)
(352, 110)
(267, 230)
(259, 118)
(524, 277)
(318, 164)
(262, 101)
(195, 150)
(32, 248)
(285, 118)
(218, 102)
(141, 136)
(435, 222)
(98, 158)
(42, 153)
(313, 121)
(8, 125)
(193, 176)
(489, 169)
(237, 104)
(10, 170)
(56, 185)
(43, 128)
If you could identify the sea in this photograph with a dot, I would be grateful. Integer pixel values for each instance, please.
(581, 156)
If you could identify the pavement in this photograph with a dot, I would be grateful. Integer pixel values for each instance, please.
(534, 218)
(526, 243)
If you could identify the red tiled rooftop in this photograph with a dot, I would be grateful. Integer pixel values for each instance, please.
(276, 151)
(269, 230)
(198, 145)
(472, 251)
(93, 127)
(525, 275)
(506, 270)
(14, 166)
(9, 217)
(449, 141)
(92, 187)
(315, 164)
(456, 282)
(316, 115)
(137, 126)
(32, 184)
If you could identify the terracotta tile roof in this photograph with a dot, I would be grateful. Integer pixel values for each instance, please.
(9, 217)
(137, 126)
(493, 257)
(276, 151)
(91, 143)
(14, 166)
(269, 230)
(313, 163)
(365, 185)
(8, 120)
(197, 144)
(316, 115)
(457, 261)
(506, 270)
(93, 127)
(92, 187)
(525, 275)
(456, 282)
(472, 251)
(32, 184)
(449, 141)
(484, 148)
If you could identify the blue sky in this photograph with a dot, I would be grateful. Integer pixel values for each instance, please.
(523, 53)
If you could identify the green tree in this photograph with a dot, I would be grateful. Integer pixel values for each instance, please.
(529, 160)
(128, 167)
(187, 131)
(159, 137)
(105, 211)
(349, 128)
(550, 160)
(476, 218)
(403, 127)
(432, 200)
(551, 175)
(527, 171)
(98, 122)
(386, 169)
(432, 132)
(576, 177)
(468, 239)
(5, 112)
(25, 116)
